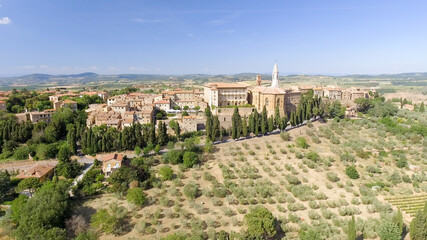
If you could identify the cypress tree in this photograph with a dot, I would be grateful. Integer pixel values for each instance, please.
(216, 128)
(209, 122)
(398, 220)
(276, 117)
(152, 135)
(270, 124)
(236, 124)
(244, 127)
(251, 123)
(292, 120)
(351, 233)
(418, 227)
(256, 123)
(422, 107)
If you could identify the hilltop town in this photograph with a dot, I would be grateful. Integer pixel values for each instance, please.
(159, 161)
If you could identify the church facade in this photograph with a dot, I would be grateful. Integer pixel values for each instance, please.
(274, 96)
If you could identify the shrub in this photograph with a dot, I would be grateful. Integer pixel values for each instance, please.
(313, 156)
(347, 157)
(190, 159)
(389, 231)
(285, 136)
(351, 172)
(301, 142)
(401, 163)
(313, 215)
(260, 223)
(191, 190)
(136, 196)
(333, 177)
(166, 173)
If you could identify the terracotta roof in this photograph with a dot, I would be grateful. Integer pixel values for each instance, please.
(37, 171)
(225, 85)
(162, 102)
(111, 156)
(189, 117)
(2, 102)
(270, 90)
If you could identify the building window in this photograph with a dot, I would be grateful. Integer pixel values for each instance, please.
(266, 102)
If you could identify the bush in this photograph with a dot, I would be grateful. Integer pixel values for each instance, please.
(333, 177)
(301, 142)
(402, 162)
(313, 156)
(285, 136)
(191, 190)
(190, 159)
(389, 231)
(136, 196)
(166, 173)
(351, 172)
(260, 223)
(347, 157)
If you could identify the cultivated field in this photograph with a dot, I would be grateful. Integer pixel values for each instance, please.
(301, 185)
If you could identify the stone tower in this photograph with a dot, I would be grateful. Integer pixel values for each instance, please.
(258, 80)
(275, 78)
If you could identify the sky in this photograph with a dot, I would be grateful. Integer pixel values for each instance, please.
(212, 37)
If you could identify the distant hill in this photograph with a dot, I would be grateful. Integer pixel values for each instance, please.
(46, 80)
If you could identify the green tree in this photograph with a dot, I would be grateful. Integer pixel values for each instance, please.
(301, 142)
(191, 190)
(351, 232)
(422, 108)
(136, 196)
(209, 122)
(418, 227)
(277, 118)
(4, 184)
(310, 234)
(398, 220)
(31, 184)
(42, 215)
(166, 173)
(351, 172)
(389, 231)
(260, 223)
(236, 124)
(110, 220)
(245, 127)
(190, 159)
(264, 123)
(270, 124)
(216, 128)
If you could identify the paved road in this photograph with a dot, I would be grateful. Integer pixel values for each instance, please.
(87, 167)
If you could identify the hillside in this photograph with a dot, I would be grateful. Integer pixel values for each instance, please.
(305, 187)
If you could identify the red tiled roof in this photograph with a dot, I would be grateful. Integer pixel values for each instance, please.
(111, 156)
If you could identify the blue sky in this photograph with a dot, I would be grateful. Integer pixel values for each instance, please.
(221, 36)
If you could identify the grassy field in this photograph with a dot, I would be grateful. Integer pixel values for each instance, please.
(301, 185)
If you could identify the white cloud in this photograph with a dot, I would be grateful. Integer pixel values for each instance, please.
(5, 20)
(140, 20)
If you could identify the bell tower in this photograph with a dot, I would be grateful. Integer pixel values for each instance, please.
(275, 78)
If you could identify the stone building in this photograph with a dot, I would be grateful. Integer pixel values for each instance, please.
(2, 106)
(225, 94)
(274, 96)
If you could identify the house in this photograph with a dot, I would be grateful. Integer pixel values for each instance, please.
(41, 171)
(2, 106)
(111, 162)
(163, 105)
(65, 103)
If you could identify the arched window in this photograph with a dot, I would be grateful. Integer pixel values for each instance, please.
(278, 102)
(266, 102)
